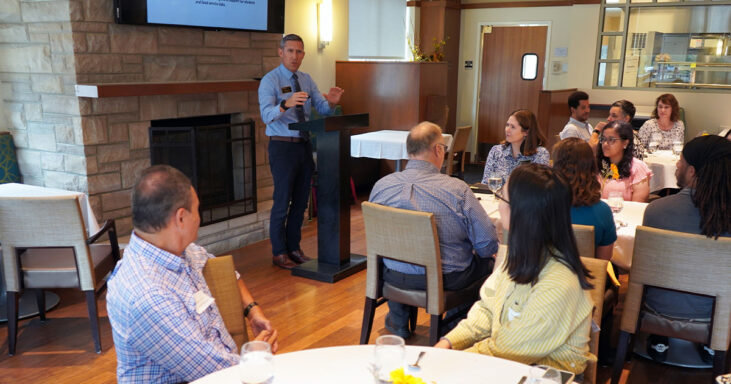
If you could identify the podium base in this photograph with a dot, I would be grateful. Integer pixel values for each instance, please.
(330, 273)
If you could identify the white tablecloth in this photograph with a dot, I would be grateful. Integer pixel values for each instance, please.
(663, 165)
(25, 190)
(390, 145)
(631, 215)
(350, 364)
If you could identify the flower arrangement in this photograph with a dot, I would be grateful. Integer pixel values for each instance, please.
(399, 377)
(436, 56)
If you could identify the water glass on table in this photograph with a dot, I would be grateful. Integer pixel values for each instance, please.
(494, 183)
(677, 148)
(256, 366)
(654, 142)
(389, 356)
(616, 201)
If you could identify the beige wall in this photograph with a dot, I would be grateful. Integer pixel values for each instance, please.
(301, 18)
(575, 27)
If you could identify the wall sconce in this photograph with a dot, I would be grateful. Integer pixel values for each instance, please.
(324, 23)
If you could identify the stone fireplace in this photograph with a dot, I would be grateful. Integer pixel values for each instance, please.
(80, 92)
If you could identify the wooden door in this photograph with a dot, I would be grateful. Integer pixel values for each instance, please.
(502, 90)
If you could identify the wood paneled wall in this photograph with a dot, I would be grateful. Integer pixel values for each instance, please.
(440, 20)
(553, 113)
(393, 93)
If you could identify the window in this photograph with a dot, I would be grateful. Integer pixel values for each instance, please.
(529, 68)
(377, 29)
(664, 44)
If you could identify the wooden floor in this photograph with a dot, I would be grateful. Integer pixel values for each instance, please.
(308, 314)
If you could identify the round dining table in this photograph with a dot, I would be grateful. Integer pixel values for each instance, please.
(662, 163)
(352, 364)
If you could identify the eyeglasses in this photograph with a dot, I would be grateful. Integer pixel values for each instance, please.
(444, 146)
(502, 198)
(610, 140)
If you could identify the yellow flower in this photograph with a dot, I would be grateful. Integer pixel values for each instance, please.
(399, 377)
(615, 171)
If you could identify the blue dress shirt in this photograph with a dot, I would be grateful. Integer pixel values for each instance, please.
(462, 223)
(158, 334)
(278, 85)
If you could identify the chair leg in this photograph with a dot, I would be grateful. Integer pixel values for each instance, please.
(369, 310)
(434, 329)
(624, 339)
(413, 314)
(719, 363)
(93, 319)
(12, 304)
(41, 302)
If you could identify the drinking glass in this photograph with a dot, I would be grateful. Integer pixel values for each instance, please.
(494, 183)
(654, 142)
(389, 356)
(616, 201)
(677, 148)
(256, 366)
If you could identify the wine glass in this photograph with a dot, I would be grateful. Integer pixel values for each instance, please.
(654, 142)
(677, 148)
(494, 183)
(256, 366)
(389, 356)
(616, 201)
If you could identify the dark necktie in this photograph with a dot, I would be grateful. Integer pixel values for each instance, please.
(299, 109)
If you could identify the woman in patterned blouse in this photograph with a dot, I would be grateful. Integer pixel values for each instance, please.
(664, 123)
(535, 307)
(523, 144)
(619, 170)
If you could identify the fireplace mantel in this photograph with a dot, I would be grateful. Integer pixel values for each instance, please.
(168, 88)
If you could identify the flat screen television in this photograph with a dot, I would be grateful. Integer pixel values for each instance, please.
(246, 15)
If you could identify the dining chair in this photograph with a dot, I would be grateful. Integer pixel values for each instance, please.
(585, 240)
(411, 237)
(220, 276)
(598, 269)
(457, 150)
(681, 262)
(45, 245)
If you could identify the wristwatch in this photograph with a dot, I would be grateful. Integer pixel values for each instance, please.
(283, 106)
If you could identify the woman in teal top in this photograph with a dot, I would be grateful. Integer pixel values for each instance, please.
(574, 160)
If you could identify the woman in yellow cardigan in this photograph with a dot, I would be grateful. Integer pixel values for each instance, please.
(535, 308)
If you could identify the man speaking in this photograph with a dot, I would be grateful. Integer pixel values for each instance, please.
(286, 96)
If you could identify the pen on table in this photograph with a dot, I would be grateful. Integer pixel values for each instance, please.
(522, 380)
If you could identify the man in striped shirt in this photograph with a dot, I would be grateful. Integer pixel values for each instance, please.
(467, 237)
(165, 324)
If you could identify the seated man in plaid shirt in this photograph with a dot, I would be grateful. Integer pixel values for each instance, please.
(166, 327)
(467, 237)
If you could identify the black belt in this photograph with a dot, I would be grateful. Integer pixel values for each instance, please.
(291, 139)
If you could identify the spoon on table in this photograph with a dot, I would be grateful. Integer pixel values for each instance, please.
(415, 366)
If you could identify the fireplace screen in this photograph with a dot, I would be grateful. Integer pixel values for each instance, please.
(219, 158)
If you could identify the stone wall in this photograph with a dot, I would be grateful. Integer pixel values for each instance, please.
(99, 146)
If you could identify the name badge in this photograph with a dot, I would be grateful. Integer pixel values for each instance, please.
(286, 89)
(202, 301)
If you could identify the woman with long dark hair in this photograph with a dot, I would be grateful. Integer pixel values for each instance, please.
(574, 160)
(535, 308)
(620, 171)
(523, 144)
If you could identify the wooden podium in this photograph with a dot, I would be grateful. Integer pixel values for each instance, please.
(334, 260)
